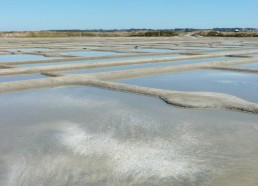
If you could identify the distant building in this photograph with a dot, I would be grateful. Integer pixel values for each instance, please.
(236, 30)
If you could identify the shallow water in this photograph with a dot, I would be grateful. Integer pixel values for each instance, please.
(88, 136)
(20, 78)
(255, 55)
(243, 85)
(18, 57)
(252, 66)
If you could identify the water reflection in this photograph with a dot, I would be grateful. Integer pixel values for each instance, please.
(20, 78)
(252, 66)
(243, 85)
(87, 136)
(7, 58)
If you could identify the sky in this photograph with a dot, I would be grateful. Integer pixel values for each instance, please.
(18, 15)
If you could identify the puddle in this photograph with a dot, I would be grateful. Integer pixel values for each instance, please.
(7, 58)
(88, 136)
(243, 85)
(20, 78)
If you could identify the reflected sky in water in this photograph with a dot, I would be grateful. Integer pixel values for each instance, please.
(252, 66)
(21, 78)
(25, 57)
(243, 85)
(88, 136)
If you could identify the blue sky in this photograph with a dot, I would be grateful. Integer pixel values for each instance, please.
(117, 14)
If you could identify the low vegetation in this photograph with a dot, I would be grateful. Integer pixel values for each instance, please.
(155, 34)
(51, 34)
(45, 34)
(227, 34)
(136, 33)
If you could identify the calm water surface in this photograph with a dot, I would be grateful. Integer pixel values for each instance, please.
(243, 85)
(88, 136)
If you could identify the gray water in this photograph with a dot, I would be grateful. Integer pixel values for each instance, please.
(88, 136)
(243, 85)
